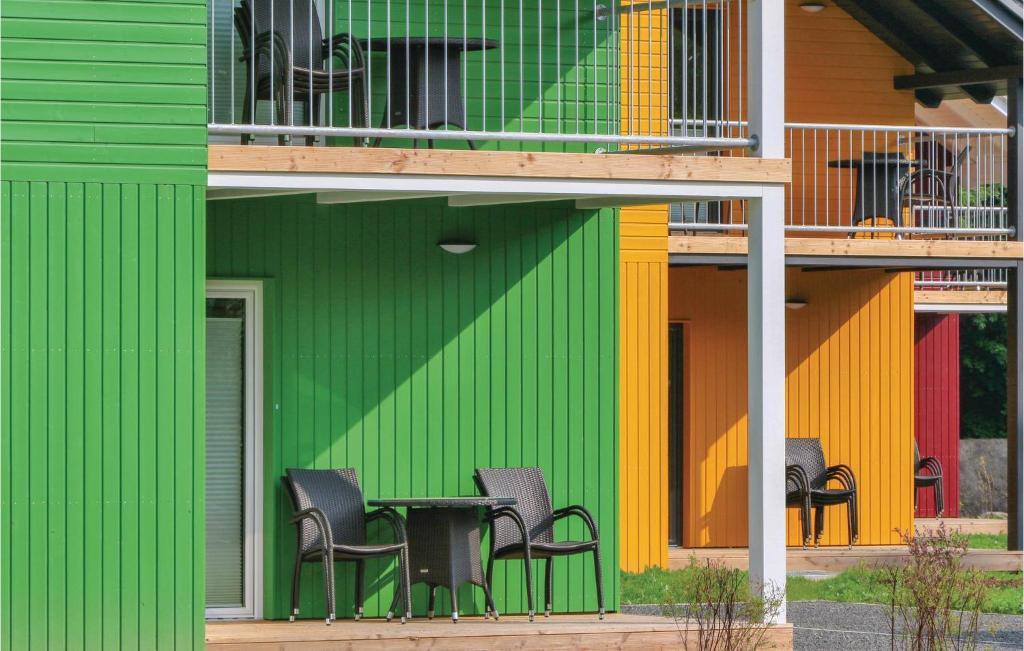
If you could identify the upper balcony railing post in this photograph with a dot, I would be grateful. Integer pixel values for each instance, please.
(766, 322)
(1015, 320)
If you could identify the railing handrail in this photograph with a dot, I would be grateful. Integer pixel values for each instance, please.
(890, 128)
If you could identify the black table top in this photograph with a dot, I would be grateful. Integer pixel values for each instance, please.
(380, 45)
(874, 158)
(444, 502)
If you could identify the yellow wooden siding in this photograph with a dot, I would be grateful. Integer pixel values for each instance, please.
(849, 359)
(643, 277)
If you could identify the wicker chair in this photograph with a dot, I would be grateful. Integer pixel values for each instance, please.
(805, 456)
(526, 531)
(299, 74)
(931, 480)
(330, 525)
(798, 494)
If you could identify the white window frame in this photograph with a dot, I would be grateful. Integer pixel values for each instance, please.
(251, 292)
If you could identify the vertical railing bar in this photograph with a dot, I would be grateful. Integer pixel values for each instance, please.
(522, 115)
(444, 32)
(290, 98)
(540, 66)
(388, 99)
(483, 82)
(212, 61)
(578, 66)
(309, 37)
(273, 49)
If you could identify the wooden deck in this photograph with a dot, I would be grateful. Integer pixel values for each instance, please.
(837, 559)
(963, 525)
(617, 631)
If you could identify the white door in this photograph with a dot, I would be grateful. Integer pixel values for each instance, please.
(234, 435)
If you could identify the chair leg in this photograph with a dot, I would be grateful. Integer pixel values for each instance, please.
(850, 528)
(489, 608)
(548, 576)
(819, 524)
(528, 566)
(296, 575)
(430, 601)
(454, 592)
(360, 576)
(600, 583)
(328, 562)
(394, 605)
(406, 585)
(940, 505)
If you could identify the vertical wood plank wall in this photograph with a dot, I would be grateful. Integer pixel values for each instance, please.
(103, 358)
(643, 277)
(937, 404)
(849, 382)
(416, 366)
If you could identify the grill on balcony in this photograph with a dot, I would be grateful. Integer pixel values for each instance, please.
(564, 75)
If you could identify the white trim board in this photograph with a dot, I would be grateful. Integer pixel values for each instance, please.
(251, 291)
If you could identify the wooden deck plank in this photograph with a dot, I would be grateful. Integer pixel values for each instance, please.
(963, 525)
(372, 160)
(819, 246)
(617, 631)
(836, 559)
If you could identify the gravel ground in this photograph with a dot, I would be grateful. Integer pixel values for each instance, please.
(827, 625)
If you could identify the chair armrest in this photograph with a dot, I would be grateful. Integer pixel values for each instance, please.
(511, 513)
(797, 474)
(931, 464)
(346, 48)
(319, 519)
(273, 45)
(393, 518)
(843, 474)
(579, 511)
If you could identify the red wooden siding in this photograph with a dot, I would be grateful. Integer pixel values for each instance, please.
(937, 403)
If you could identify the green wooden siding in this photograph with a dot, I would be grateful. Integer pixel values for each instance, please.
(104, 91)
(102, 442)
(415, 366)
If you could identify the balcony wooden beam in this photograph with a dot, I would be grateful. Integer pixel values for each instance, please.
(627, 167)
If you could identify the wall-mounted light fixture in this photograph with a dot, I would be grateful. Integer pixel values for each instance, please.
(812, 7)
(795, 303)
(457, 247)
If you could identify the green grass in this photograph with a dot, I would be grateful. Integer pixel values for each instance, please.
(986, 541)
(859, 585)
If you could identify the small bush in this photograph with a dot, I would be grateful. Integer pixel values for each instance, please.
(934, 602)
(729, 616)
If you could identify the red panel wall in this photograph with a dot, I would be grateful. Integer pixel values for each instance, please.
(937, 404)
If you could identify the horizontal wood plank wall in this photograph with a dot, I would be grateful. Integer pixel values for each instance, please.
(849, 382)
(643, 274)
(937, 404)
(104, 91)
(837, 71)
(416, 366)
(103, 415)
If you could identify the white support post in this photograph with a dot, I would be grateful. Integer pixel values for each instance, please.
(766, 319)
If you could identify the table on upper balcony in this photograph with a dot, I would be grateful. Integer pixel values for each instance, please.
(879, 175)
(425, 91)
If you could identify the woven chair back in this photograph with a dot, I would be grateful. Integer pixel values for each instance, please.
(533, 503)
(807, 454)
(336, 493)
(296, 21)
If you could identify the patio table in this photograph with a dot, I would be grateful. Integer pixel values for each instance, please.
(425, 75)
(878, 184)
(444, 542)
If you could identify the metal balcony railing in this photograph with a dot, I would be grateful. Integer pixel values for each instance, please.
(961, 279)
(873, 181)
(565, 75)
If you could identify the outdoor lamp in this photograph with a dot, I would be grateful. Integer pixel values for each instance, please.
(457, 247)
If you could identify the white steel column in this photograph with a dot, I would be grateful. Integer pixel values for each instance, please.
(766, 319)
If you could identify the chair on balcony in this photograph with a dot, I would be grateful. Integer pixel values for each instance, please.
(931, 193)
(330, 525)
(807, 480)
(932, 478)
(526, 531)
(285, 52)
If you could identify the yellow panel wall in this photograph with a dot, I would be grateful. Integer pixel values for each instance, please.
(643, 278)
(849, 360)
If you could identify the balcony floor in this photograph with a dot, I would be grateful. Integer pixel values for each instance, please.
(584, 631)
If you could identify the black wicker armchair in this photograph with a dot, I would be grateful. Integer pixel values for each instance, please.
(284, 52)
(330, 522)
(526, 531)
(807, 484)
(933, 479)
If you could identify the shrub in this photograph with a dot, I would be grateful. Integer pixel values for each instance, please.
(729, 616)
(934, 602)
